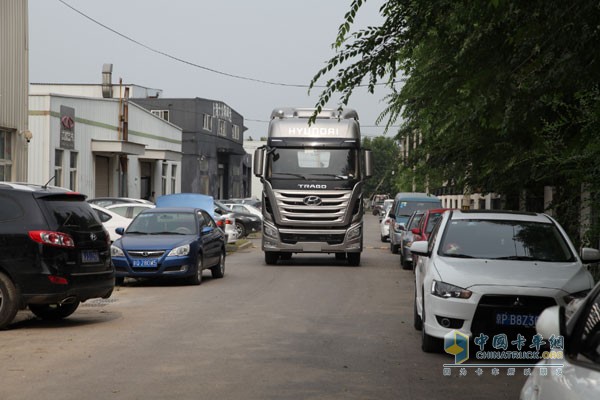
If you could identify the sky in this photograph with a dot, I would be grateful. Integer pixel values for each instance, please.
(278, 41)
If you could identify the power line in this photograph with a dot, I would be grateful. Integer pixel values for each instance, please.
(181, 60)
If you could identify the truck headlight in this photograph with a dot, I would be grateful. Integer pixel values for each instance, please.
(353, 233)
(270, 230)
(180, 251)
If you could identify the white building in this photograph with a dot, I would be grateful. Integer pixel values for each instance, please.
(101, 146)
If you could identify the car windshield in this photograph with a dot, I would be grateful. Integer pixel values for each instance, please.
(504, 240)
(406, 208)
(163, 223)
(307, 163)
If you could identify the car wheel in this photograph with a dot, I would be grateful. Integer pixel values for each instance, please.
(241, 229)
(403, 263)
(383, 238)
(429, 344)
(218, 271)
(9, 300)
(53, 312)
(271, 257)
(196, 279)
(353, 259)
(418, 322)
(394, 248)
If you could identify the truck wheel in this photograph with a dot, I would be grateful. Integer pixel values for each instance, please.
(340, 256)
(9, 300)
(271, 257)
(53, 312)
(353, 259)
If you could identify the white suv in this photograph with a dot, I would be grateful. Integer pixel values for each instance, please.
(491, 272)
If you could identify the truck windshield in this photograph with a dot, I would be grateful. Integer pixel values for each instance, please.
(290, 163)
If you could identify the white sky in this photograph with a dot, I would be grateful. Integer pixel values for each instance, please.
(279, 41)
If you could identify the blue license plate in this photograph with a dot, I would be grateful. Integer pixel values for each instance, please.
(90, 256)
(143, 263)
(512, 319)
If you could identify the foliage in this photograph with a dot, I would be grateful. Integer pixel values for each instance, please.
(504, 94)
(386, 156)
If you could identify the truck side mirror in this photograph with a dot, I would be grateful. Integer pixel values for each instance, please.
(368, 164)
(259, 161)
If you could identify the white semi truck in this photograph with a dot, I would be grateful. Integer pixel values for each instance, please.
(313, 177)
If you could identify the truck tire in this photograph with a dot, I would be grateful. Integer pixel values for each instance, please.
(9, 300)
(353, 259)
(271, 257)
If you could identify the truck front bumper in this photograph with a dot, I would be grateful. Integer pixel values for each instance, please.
(312, 240)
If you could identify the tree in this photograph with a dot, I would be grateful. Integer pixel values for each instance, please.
(386, 156)
(504, 94)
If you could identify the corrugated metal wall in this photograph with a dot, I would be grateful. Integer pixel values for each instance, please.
(13, 63)
(14, 77)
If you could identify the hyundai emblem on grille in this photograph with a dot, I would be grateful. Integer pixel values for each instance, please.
(312, 200)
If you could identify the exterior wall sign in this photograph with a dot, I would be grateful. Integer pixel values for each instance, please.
(67, 127)
(222, 111)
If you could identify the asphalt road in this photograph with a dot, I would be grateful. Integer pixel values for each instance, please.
(311, 328)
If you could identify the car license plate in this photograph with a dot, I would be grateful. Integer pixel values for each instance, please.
(90, 256)
(143, 263)
(511, 319)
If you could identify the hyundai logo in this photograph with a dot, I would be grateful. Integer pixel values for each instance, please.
(312, 200)
(93, 236)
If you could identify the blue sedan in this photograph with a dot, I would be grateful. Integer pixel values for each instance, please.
(170, 242)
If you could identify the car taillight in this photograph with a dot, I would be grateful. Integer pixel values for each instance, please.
(58, 239)
(58, 280)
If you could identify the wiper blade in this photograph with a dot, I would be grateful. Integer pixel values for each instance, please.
(143, 233)
(165, 233)
(290, 174)
(457, 255)
(519, 258)
(337, 176)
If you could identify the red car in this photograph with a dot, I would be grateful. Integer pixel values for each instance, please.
(426, 225)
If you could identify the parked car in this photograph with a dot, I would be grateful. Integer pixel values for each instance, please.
(111, 221)
(246, 200)
(377, 203)
(225, 222)
(245, 223)
(491, 272)
(387, 204)
(170, 242)
(407, 239)
(580, 373)
(402, 208)
(55, 252)
(422, 231)
(108, 201)
(384, 227)
(129, 210)
(244, 208)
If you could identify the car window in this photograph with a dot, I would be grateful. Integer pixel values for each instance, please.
(121, 210)
(104, 217)
(207, 220)
(415, 221)
(70, 214)
(588, 332)
(156, 223)
(9, 209)
(137, 209)
(434, 218)
(433, 237)
(408, 207)
(503, 239)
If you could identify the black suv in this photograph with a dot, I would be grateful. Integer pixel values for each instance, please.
(54, 252)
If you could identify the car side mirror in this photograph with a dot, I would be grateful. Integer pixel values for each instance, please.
(120, 231)
(420, 248)
(589, 255)
(551, 322)
(207, 229)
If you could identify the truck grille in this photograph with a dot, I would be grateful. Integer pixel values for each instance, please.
(293, 238)
(317, 207)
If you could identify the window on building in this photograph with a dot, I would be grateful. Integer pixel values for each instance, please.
(173, 178)
(164, 114)
(73, 171)
(5, 155)
(165, 170)
(58, 167)
(235, 134)
(222, 131)
(207, 122)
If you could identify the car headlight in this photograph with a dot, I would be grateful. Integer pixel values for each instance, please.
(116, 252)
(445, 290)
(180, 251)
(578, 295)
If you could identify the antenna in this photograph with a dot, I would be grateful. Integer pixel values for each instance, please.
(50, 180)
